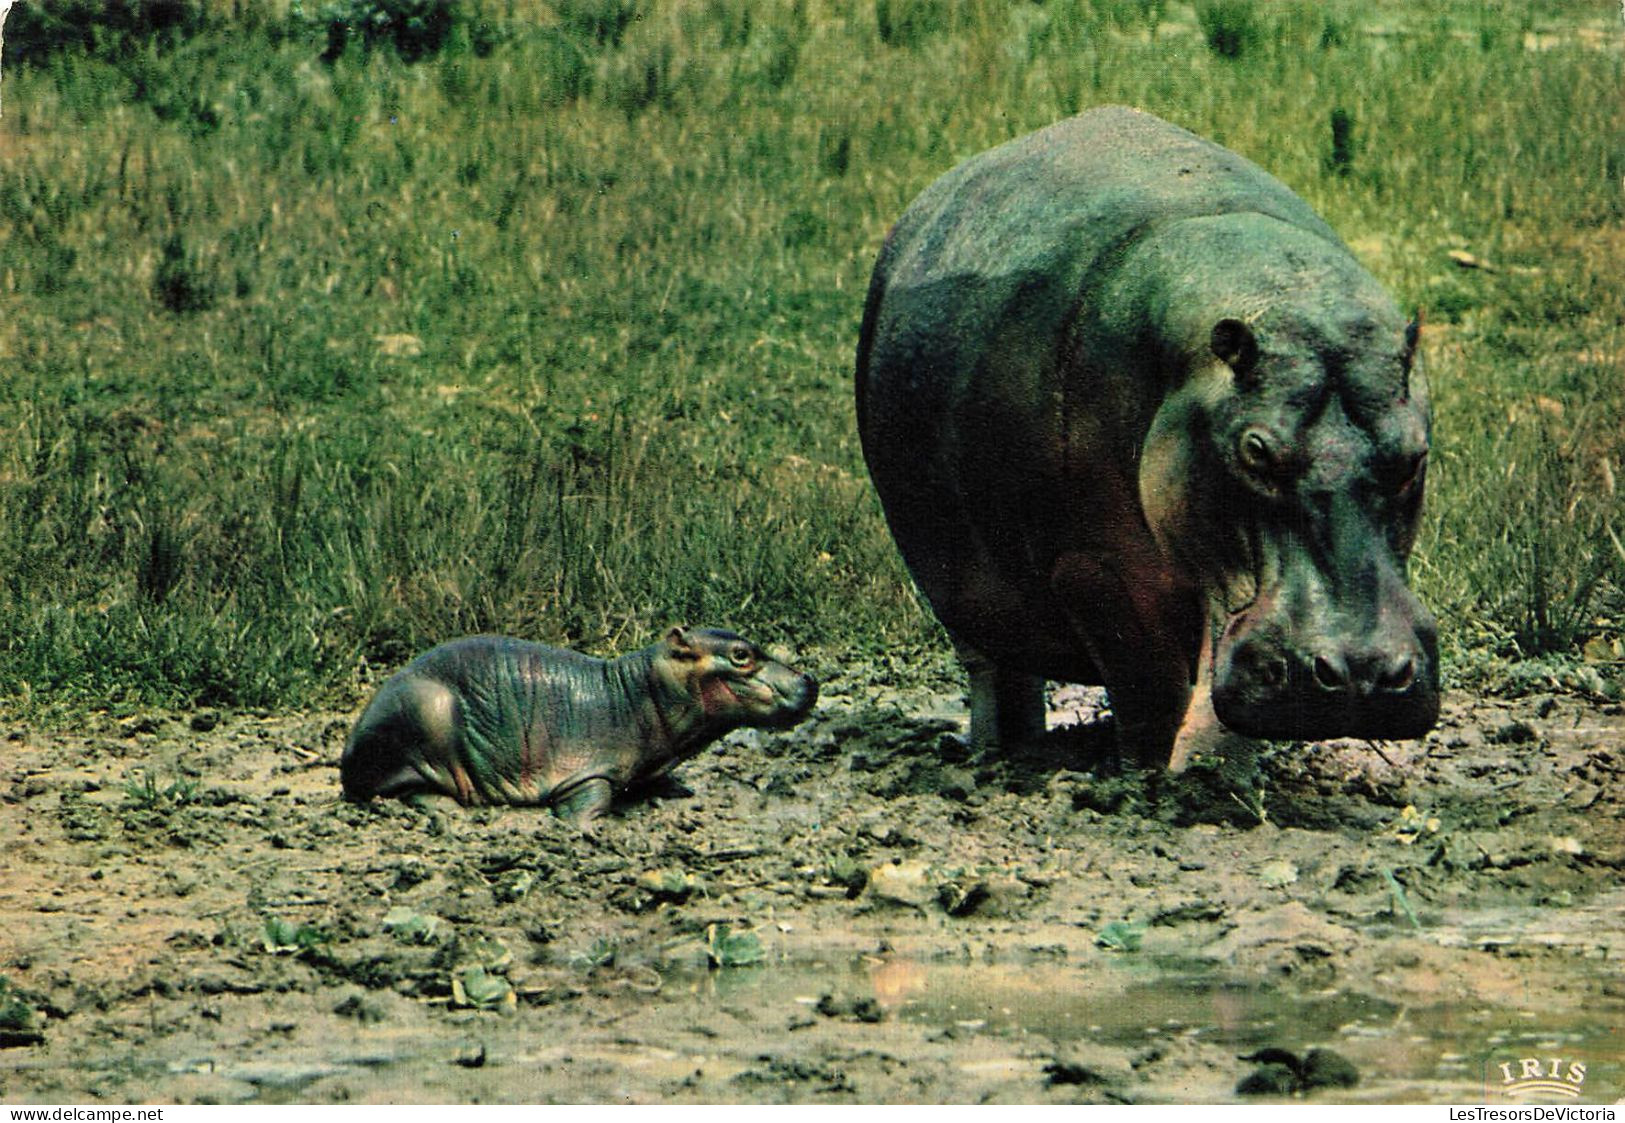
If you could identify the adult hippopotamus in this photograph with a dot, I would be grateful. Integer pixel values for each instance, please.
(491, 719)
(1137, 417)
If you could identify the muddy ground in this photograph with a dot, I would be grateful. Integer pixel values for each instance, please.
(852, 911)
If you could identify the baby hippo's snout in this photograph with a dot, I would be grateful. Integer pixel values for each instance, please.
(793, 694)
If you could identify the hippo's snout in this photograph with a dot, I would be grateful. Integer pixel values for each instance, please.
(1270, 683)
(794, 695)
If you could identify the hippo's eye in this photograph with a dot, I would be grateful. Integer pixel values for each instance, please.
(1256, 454)
(741, 656)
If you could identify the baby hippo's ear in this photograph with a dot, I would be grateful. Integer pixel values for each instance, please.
(681, 644)
(1415, 381)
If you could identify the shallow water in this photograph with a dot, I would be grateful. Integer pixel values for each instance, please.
(1443, 1052)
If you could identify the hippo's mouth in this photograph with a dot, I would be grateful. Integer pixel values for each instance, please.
(1233, 597)
(794, 700)
(1229, 618)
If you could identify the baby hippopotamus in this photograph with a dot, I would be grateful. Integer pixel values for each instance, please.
(491, 719)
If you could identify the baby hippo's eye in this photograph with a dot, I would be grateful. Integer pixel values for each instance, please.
(741, 656)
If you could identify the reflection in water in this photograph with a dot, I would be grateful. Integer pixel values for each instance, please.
(1441, 1051)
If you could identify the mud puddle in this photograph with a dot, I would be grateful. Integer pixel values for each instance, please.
(1396, 1052)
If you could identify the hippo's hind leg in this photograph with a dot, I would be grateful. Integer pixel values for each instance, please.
(1006, 706)
(408, 729)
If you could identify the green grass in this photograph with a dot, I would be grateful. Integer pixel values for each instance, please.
(307, 365)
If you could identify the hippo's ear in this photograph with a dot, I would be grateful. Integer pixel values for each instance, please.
(681, 644)
(1233, 341)
(1415, 381)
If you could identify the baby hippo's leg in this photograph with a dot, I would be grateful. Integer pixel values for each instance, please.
(584, 802)
(406, 742)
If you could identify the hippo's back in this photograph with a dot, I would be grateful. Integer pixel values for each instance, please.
(485, 719)
(476, 663)
(1072, 190)
(1016, 234)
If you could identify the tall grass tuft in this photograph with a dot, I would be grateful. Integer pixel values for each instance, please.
(416, 29)
(1230, 27)
(601, 22)
(1340, 154)
(1546, 574)
(178, 283)
(906, 23)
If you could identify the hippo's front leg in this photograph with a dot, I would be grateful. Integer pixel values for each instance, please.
(1137, 625)
(1201, 733)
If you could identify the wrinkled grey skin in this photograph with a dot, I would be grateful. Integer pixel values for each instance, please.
(1137, 417)
(490, 719)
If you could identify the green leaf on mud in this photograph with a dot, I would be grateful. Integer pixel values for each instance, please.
(726, 947)
(1120, 935)
(15, 1014)
(479, 989)
(144, 791)
(19, 1022)
(414, 927)
(1277, 874)
(1401, 901)
(283, 937)
(669, 884)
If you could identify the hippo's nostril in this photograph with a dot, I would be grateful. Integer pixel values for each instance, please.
(1265, 669)
(1330, 673)
(1398, 677)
